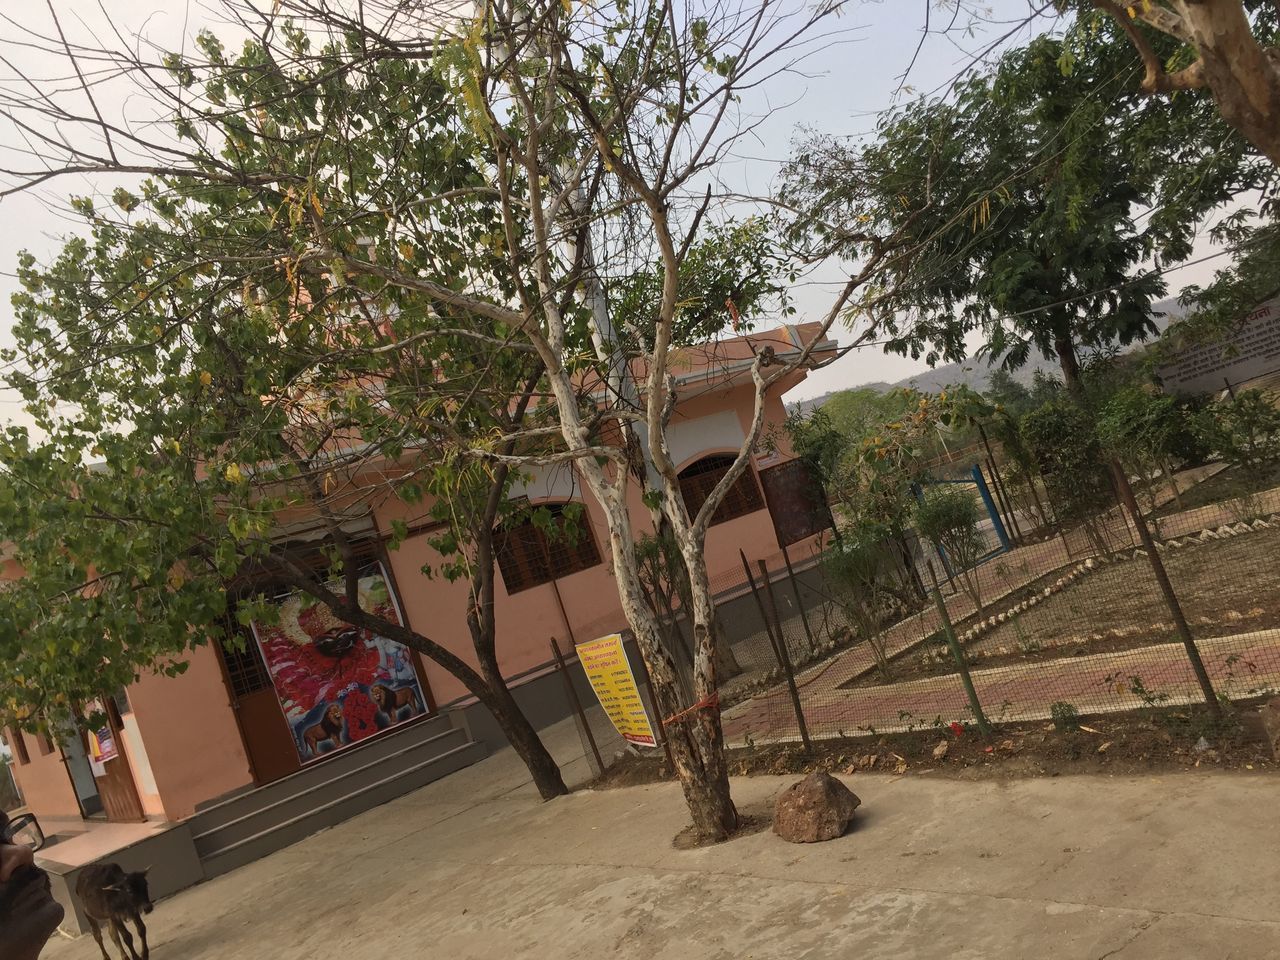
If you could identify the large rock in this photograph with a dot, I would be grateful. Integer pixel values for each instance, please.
(819, 807)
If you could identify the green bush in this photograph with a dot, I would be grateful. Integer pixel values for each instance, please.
(1065, 716)
(1061, 437)
(949, 517)
(859, 570)
(1245, 431)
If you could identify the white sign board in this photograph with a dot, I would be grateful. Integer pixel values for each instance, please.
(1254, 350)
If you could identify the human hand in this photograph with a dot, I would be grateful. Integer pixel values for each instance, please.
(11, 858)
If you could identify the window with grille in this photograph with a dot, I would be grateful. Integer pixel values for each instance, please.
(245, 668)
(698, 480)
(528, 557)
(18, 745)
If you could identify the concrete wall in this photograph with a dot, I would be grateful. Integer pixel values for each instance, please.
(193, 745)
(44, 782)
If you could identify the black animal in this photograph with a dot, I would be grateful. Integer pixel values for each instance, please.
(110, 897)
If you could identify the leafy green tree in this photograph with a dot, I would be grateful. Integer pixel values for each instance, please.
(1063, 440)
(1042, 249)
(859, 569)
(1007, 393)
(337, 197)
(1143, 430)
(949, 517)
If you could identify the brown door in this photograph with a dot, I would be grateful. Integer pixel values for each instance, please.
(118, 792)
(263, 728)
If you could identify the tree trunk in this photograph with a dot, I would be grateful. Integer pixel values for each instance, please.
(1242, 75)
(1067, 360)
(521, 735)
(696, 739)
(1167, 469)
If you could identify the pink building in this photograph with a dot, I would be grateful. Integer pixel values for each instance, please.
(206, 771)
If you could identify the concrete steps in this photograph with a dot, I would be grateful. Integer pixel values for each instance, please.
(252, 825)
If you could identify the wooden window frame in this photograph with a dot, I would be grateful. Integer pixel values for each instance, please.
(527, 559)
(743, 498)
(18, 745)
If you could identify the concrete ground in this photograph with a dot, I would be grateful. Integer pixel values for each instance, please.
(474, 866)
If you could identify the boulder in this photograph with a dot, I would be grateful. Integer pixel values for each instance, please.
(819, 807)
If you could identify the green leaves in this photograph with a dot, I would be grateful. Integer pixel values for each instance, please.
(1028, 206)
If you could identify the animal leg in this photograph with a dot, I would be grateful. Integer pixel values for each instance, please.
(128, 940)
(97, 935)
(142, 933)
(113, 928)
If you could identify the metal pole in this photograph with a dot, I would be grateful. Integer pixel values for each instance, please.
(785, 657)
(949, 631)
(577, 705)
(1003, 498)
(764, 617)
(998, 482)
(996, 523)
(778, 652)
(1231, 391)
(1170, 598)
(795, 589)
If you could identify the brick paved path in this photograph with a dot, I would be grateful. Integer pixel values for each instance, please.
(1019, 691)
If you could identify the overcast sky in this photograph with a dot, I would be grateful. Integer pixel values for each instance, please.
(846, 85)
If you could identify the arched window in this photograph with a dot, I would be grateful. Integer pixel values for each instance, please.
(528, 556)
(698, 480)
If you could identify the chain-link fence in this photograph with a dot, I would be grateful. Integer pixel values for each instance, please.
(1071, 619)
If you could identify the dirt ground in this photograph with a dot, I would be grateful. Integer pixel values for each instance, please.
(1228, 484)
(1158, 741)
(1224, 586)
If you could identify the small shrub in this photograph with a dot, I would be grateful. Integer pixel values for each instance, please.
(1065, 716)
(1245, 431)
(949, 517)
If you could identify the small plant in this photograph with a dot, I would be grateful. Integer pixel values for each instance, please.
(1135, 685)
(1245, 430)
(950, 518)
(1065, 716)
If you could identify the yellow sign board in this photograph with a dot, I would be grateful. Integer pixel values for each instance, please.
(606, 665)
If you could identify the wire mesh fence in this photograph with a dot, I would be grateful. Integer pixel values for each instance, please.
(1070, 619)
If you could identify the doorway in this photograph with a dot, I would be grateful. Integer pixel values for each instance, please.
(111, 774)
(263, 728)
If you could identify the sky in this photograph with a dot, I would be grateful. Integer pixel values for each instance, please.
(854, 74)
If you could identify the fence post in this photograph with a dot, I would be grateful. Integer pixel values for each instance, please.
(779, 651)
(579, 714)
(949, 631)
(1166, 588)
(1003, 498)
(659, 730)
(997, 481)
(795, 589)
(992, 510)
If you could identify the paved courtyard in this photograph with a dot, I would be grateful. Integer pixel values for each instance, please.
(475, 867)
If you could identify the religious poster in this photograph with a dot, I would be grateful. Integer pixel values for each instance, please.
(338, 684)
